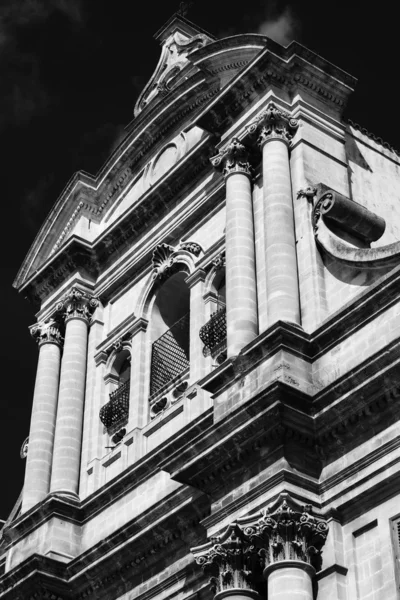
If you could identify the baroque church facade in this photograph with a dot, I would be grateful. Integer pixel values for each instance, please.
(216, 407)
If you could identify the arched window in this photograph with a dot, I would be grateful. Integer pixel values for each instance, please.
(169, 335)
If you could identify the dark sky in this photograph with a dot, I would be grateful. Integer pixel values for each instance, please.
(70, 72)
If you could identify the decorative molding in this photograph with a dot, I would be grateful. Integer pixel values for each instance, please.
(68, 227)
(47, 332)
(162, 261)
(230, 561)
(373, 137)
(284, 531)
(273, 124)
(287, 531)
(219, 261)
(77, 304)
(192, 247)
(234, 158)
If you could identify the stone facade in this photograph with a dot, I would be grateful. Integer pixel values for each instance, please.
(216, 409)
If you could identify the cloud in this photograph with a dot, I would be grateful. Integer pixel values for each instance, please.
(282, 29)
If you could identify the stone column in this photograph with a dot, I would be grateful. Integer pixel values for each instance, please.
(241, 296)
(289, 539)
(77, 308)
(43, 419)
(282, 543)
(232, 565)
(275, 129)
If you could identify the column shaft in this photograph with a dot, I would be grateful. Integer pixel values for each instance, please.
(41, 434)
(281, 262)
(68, 437)
(289, 583)
(241, 295)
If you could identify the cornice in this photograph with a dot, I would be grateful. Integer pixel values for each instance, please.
(77, 254)
(289, 69)
(373, 137)
(140, 543)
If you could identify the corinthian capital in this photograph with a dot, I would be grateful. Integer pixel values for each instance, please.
(47, 332)
(233, 159)
(230, 561)
(287, 531)
(273, 124)
(77, 304)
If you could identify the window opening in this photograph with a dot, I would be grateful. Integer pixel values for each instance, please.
(170, 322)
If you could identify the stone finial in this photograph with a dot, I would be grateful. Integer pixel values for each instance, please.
(287, 531)
(47, 332)
(77, 304)
(229, 561)
(234, 158)
(273, 124)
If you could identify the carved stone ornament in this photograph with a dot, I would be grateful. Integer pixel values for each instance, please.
(191, 247)
(219, 261)
(285, 531)
(163, 261)
(230, 561)
(77, 304)
(47, 332)
(234, 158)
(308, 192)
(273, 124)
(24, 448)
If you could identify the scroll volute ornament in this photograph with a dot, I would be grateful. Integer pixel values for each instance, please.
(47, 332)
(287, 531)
(230, 561)
(234, 158)
(273, 124)
(77, 304)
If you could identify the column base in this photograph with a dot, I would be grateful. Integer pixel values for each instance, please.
(238, 594)
(65, 495)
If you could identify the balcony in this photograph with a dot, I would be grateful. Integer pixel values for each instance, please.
(169, 357)
(115, 413)
(213, 336)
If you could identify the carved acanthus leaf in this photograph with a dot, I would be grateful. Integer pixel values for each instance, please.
(284, 531)
(47, 332)
(273, 124)
(77, 304)
(230, 561)
(234, 158)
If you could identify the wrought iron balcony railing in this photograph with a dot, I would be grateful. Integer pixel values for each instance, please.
(115, 413)
(169, 356)
(213, 335)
